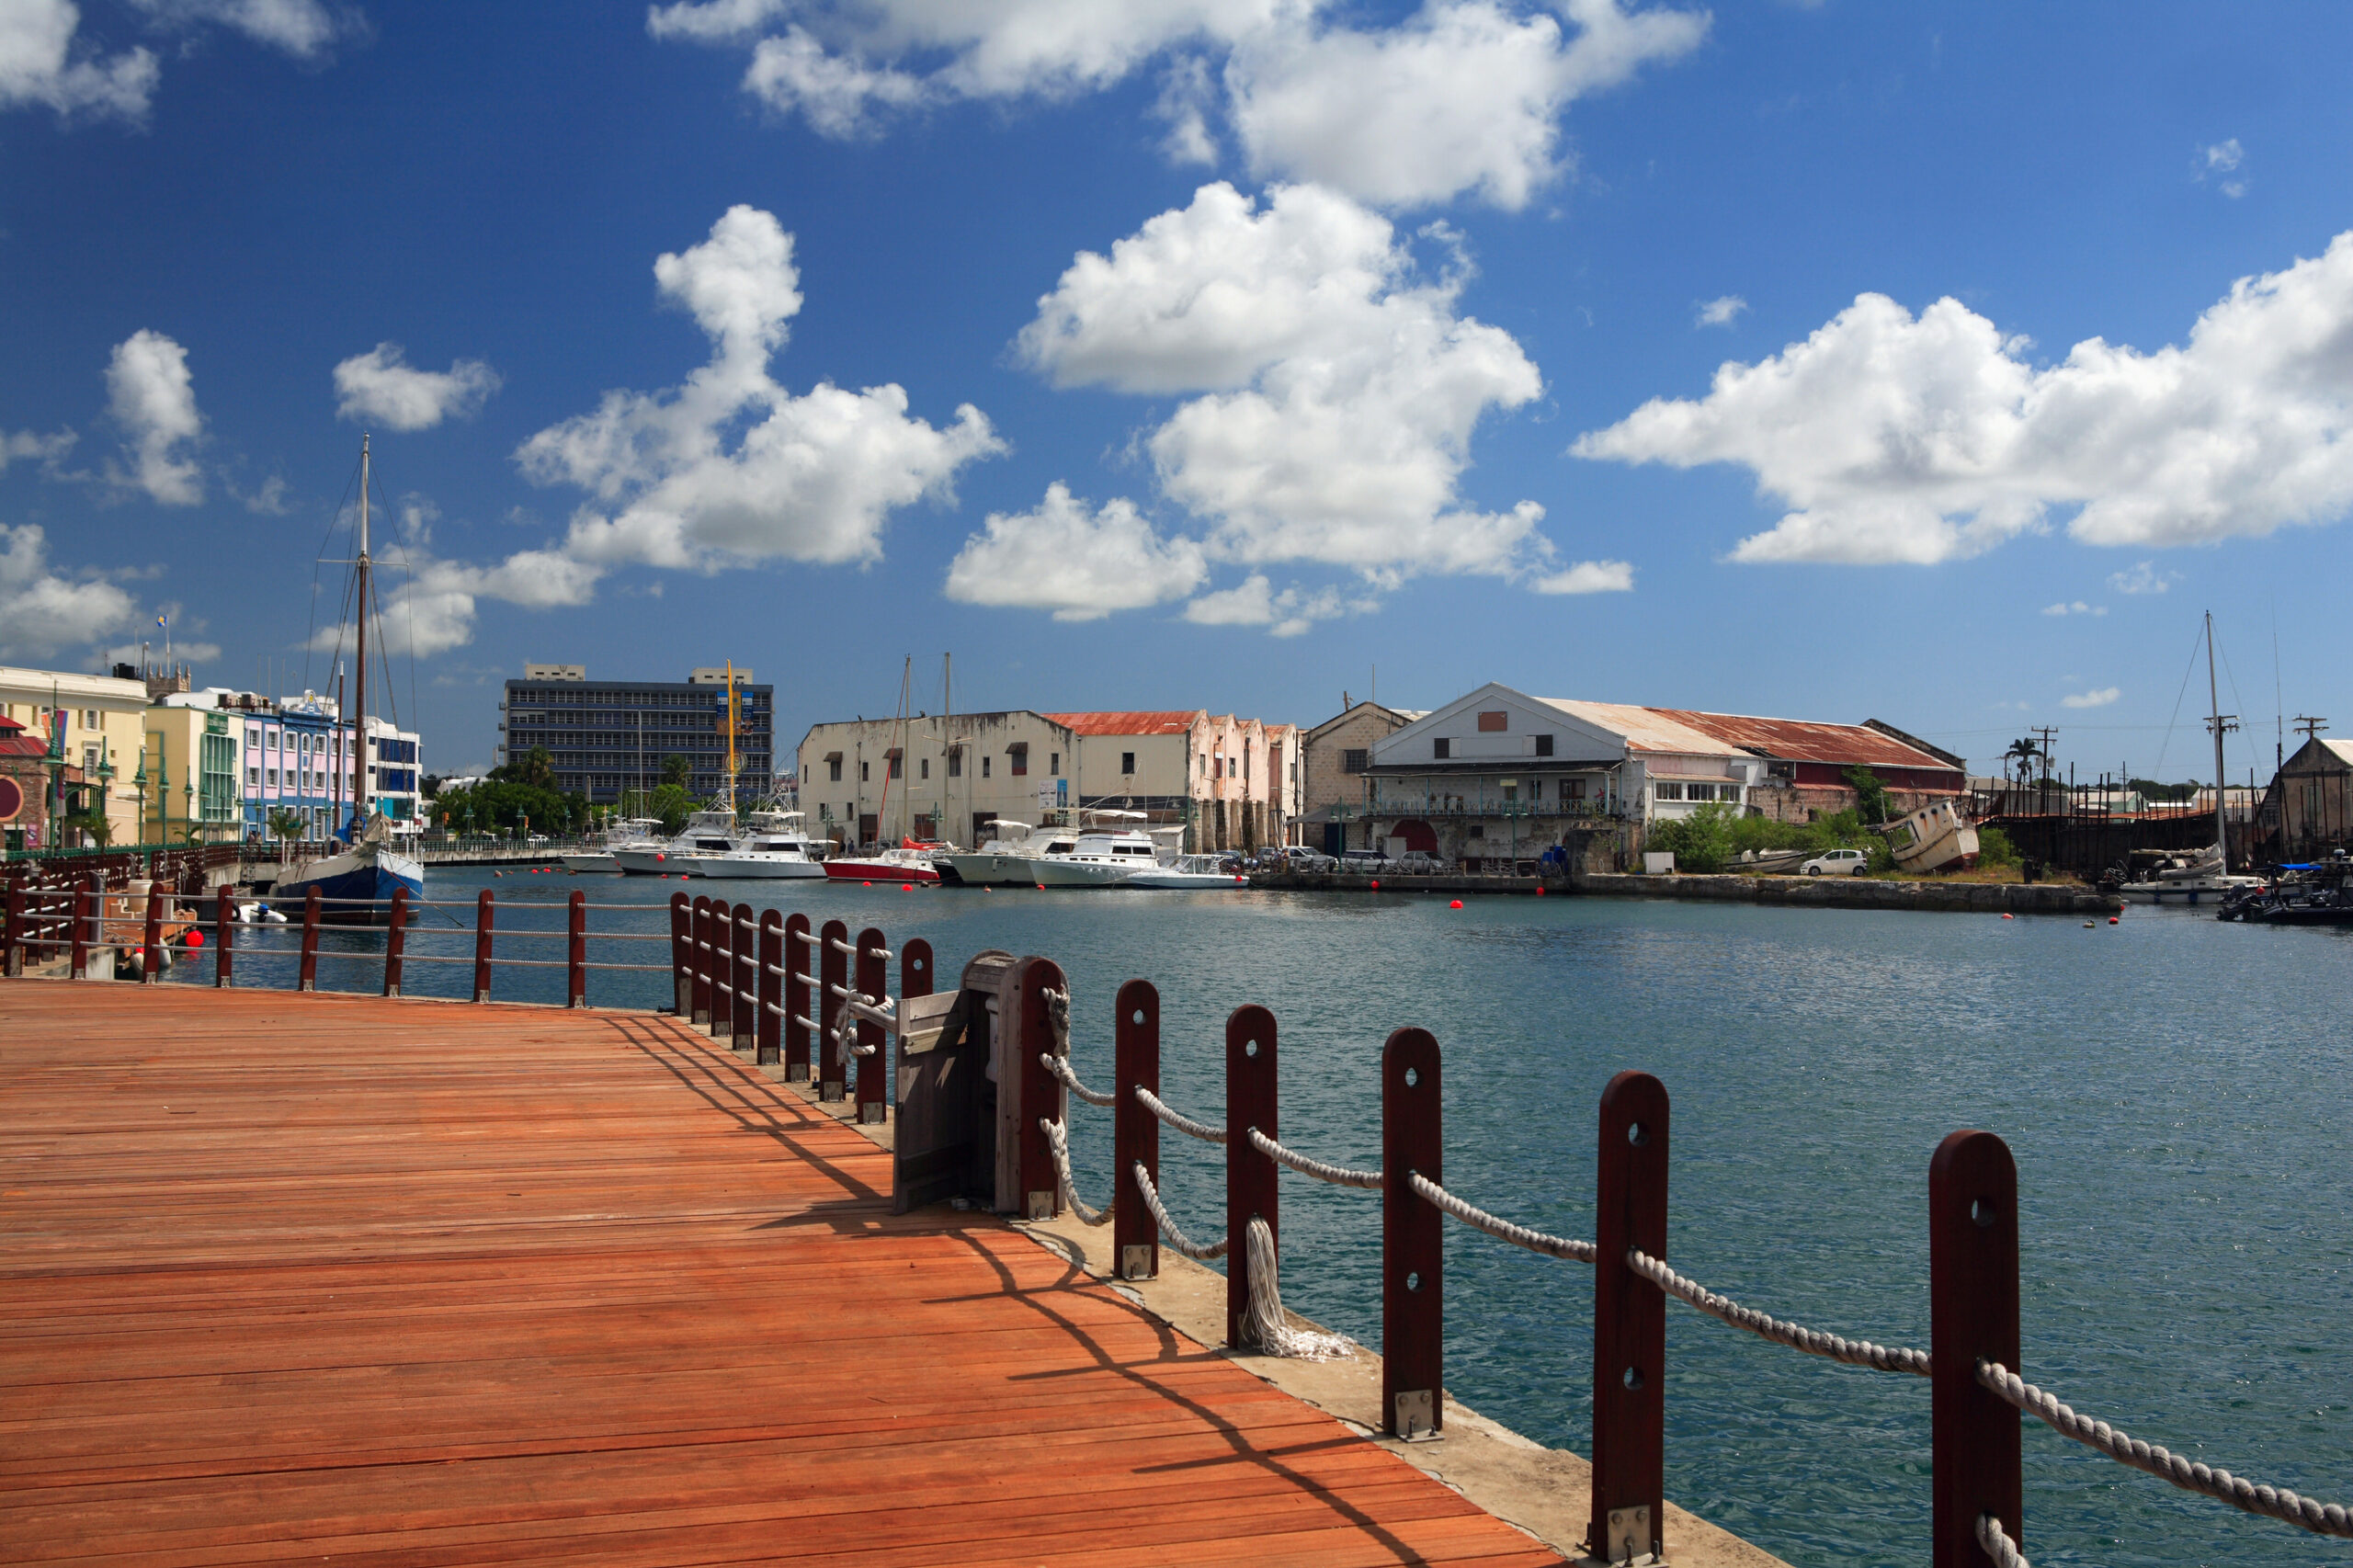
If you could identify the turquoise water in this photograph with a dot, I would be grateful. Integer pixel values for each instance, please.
(2172, 1089)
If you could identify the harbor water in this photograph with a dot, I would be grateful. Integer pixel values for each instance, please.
(2173, 1089)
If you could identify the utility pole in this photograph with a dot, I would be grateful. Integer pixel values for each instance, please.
(2042, 792)
(2310, 726)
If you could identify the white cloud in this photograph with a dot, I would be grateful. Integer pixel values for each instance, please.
(1254, 602)
(307, 29)
(41, 67)
(1460, 96)
(2221, 160)
(379, 387)
(1589, 577)
(2099, 699)
(44, 613)
(25, 446)
(152, 397)
(1719, 312)
(1079, 566)
(1901, 440)
(1339, 389)
(430, 608)
(2077, 607)
(812, 477)
(2142, 577)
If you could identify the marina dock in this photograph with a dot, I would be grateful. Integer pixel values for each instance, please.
(399, 1282)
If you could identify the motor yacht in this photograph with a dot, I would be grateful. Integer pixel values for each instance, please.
(707, 833)
(1007, 858)
(775, 847)
(1106, 854)
(2196, 877)
(630, 833)
(907, 863)
(1189, 872)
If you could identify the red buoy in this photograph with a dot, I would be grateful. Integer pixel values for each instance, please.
(906, 887)
(1376, 884)
(866, 884)
(196, 938)
(1456, 905)
(2010, 917)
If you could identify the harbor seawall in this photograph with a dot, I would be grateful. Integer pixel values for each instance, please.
(1809, 893)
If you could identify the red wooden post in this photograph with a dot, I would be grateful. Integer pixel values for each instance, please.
(1135, 1132)
(308, 980)
(1629, 1325)
(744, 981)
(722, 969)
(768, 1030)
(1041, 1093)
(1973, 1317)
(682, 957)
(1413, 1240)
(151, 955)
(873, 1068)
(576, 952)
(914, 969)
(395, 941)
(700, 957)
(87, 901)
(1251, 1192)
(832, 976)
(224, 921)
(483, 935)
(796, 999)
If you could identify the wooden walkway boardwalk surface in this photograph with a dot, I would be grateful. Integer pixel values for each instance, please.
(311, 1278)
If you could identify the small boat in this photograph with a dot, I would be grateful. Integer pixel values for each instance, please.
(1188, 872)
(1008, 859)
(775, 848)
(630, 832)
(907, 863)
(2192, 877)
(1937, 837)
(2315, 892)
(706, 834)
(1105, 856)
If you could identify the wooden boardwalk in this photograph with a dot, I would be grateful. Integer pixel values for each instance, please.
(311, 1278)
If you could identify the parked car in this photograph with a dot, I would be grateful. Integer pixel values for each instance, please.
(1839, 863)
(1364, 862)
(1420, 863)
(1300, 858)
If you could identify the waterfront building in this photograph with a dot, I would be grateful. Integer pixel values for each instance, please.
(933, 777)
(292, 752)
(1497, 775)
(605, 739)
(1232, 782)
(2313, 798)
(97, 725)
(394, 784)
(1333, 758)
(191, 761)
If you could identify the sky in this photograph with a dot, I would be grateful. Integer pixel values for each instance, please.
(1937, 364)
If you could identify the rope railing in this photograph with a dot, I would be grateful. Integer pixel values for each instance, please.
(1060, 1067)
(1813, 1342)
(2207, 1481)
(1184, 1124)
(1168, 1230)
(1998, 1544)
(1058, 1139)
(1503, 1229)
(1339, 1175)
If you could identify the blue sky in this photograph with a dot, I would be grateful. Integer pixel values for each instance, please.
(1933, 363)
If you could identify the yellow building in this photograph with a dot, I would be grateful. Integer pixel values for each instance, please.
(102, 721)
(190, 772)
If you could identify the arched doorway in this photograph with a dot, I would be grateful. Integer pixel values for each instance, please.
(1417, 834)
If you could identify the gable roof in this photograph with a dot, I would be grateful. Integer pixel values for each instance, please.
(1643, 728)
(1801, 740)
(1167, 721)
(1402, 716)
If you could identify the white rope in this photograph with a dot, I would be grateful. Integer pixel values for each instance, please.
(2271, 1501)
(1339, 1175)
(1176, 1237)
(1058, 1137)
(1998, 1544)
(1069, 1080)
(1502, 1230)
(1854, 1352)
(1265, 1326)
(1201, 1131)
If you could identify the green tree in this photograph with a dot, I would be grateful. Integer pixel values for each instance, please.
(95, 824)
(670, 806)
(1870, 795)
(2020, 758)
(1701, 842)
(678, 771)
(535, 768)
(284, 824)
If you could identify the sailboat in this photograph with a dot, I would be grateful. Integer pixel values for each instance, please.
(2202, 875)
(363, 876)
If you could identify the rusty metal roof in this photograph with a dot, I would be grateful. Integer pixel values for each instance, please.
(1644, 728)
(1802, 740)
(1172, 721)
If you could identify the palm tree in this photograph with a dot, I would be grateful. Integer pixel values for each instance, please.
(2022, 753)
(284, 824)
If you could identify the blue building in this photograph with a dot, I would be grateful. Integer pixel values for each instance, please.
(297, 759)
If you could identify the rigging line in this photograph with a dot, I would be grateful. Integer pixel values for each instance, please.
(408, 605)
(2158, 772)
(319, 560)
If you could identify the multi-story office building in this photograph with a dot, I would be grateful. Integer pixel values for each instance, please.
(98, 724)
(607, 738)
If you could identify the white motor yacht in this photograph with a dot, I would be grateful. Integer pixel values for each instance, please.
(1189, 872)
(2197, 877)
(707, 833)
(630, 833)
(1010, 858)
(1105, 856)
(774, 848)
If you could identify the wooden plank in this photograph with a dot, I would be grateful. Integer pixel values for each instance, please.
(399, 1282)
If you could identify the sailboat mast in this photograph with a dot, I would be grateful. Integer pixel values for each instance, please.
(362, 775)
(2215, 708)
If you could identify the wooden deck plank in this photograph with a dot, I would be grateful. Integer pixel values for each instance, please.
(404, 1283)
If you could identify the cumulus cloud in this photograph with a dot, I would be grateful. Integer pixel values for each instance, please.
(2074, 606)
(2099, 699)
(2142, 577)
(2221, 163)
(1719, 312)
(43, 612)
(41, 67)
(1897, 439)
(1460, 96)
(29, 446)
(730, 467)
(379, 387)
(1254, 602)
(434, 609)
(153, 398)
(1338, 389)
(1080, 564)
(1589, 577)
(307, 29)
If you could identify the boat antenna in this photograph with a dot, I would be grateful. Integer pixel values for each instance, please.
(361, 792)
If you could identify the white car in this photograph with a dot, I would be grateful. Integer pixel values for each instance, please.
(1839, 863)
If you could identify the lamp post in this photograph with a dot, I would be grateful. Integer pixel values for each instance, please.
(106, 777)
(56, 762)
(139, 784)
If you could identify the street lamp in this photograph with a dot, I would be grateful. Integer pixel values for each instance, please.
(139, 784)
(56, 762)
